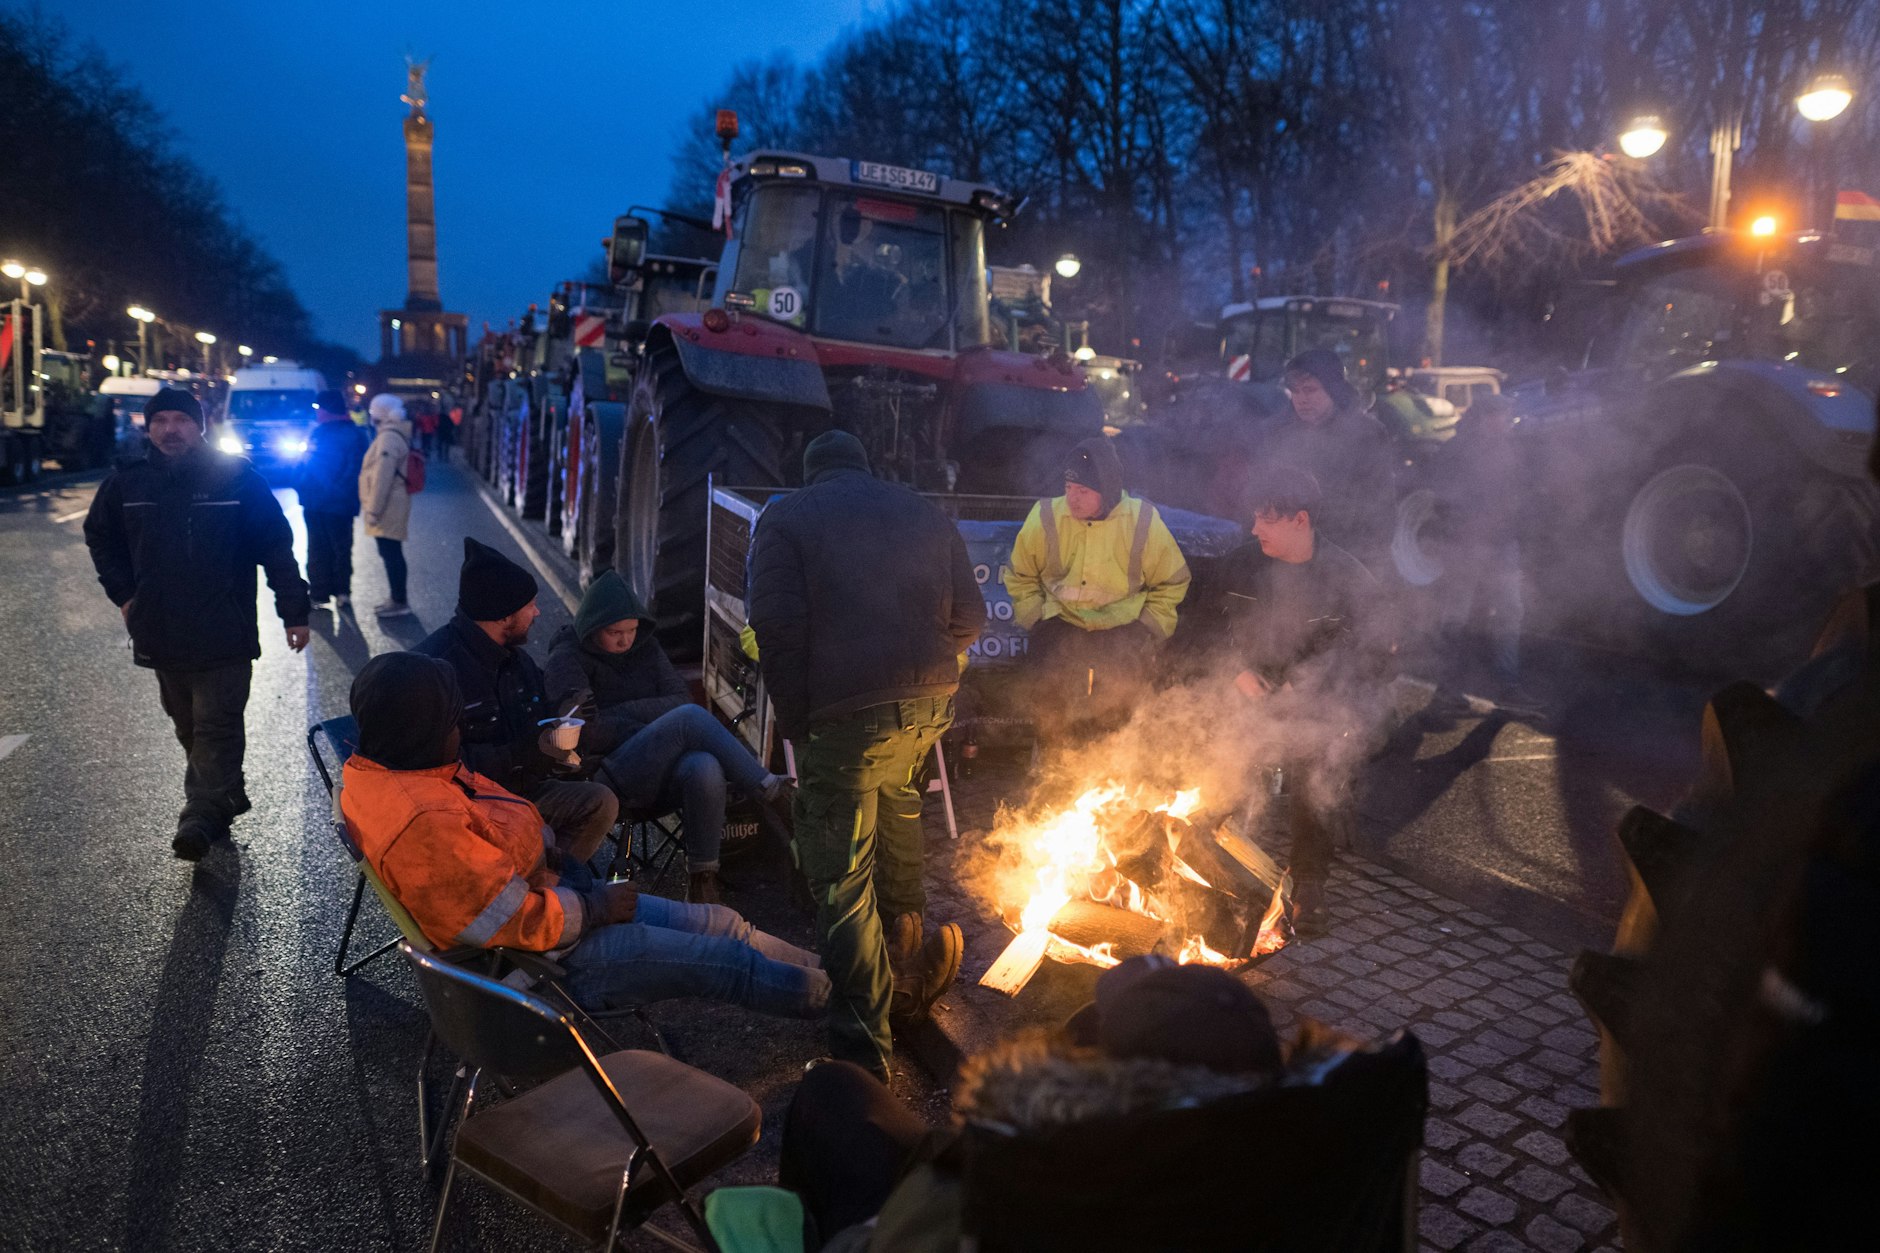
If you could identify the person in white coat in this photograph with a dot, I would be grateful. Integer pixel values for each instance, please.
(384, 497)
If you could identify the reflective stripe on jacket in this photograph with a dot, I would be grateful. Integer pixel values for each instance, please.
(1097, 575)
(466, 859)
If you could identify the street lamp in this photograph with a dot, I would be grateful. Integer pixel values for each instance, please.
(1826, 97)
(143, 318)
(1068, 265)
(1644, 136)
(1764, 225)
(205, 339)
(29, 276)
(111, 363)
(244, 350)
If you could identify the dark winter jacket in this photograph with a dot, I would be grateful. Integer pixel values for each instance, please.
(1350, 455)
(328, 480)
(1322, 622)
(861, 594)
(179, 538)
(626, 690)
(503, 704)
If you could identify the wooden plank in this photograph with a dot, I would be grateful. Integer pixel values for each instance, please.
(1017, 964)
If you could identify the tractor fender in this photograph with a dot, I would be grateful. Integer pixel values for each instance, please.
(749, 360)
(1823, 417)
(1008, 391)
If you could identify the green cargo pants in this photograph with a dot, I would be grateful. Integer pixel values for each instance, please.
(858, 841)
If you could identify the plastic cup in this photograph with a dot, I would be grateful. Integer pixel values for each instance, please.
(567, 736)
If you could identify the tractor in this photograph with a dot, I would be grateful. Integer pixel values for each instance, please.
(851, 295)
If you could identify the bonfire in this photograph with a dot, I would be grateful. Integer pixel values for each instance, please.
(1115, 874)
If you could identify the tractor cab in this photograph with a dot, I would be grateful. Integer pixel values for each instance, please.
(860, 252)
(1258, 337)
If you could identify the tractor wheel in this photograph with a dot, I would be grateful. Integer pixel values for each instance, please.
(532, 482)
(677, 439)
(1413, 552)
(593, 524)
(1733, 558)
(557, 470)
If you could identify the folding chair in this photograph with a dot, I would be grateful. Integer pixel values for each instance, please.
(342, 738)
(650, 841)
(600, 1143)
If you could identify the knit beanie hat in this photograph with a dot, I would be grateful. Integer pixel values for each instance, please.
(386, 407)
(608, 600)
(490, 586)
(1323, 364)
(175, 400)
(1094, 465)
(831, 451)
(406, 706)
(1189, 1015)
(330, 403)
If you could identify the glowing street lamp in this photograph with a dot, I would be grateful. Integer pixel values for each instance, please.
(143, 318)
(244, 350)
(1826, 97)
(1764, 225)
(1068, 265)
(205, 339)
(1643, 137)
(29, 276)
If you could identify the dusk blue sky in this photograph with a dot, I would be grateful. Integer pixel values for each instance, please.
(551, 115)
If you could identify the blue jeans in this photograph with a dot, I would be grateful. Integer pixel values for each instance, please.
(672, 949)
(681, 760)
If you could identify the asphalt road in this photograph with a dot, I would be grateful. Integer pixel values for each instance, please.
(182, 1069)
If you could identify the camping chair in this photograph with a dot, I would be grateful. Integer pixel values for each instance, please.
(648, 842)
(1325, 1159)
(600, 1143)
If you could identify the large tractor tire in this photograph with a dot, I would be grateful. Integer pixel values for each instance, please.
(554, 489)
(1739, 1013)
(678, 440)
(592, 523)
(532, 471)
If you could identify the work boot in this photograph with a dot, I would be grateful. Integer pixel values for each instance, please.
(905, 932)
(936, 968)
(702, 888)
(392, 609)
(1308, 916)
(194, 835)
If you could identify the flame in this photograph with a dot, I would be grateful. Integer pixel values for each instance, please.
(1196, 950)
(1185, 803)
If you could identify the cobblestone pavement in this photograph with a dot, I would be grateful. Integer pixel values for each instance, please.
(1509, 1048)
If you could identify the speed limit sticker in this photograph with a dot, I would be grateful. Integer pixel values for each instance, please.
(785, 303)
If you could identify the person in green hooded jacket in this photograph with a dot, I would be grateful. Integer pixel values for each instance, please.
(657, 749)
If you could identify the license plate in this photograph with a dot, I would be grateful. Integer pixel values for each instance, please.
(879, 175)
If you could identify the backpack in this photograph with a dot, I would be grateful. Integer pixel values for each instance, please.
(413, 473)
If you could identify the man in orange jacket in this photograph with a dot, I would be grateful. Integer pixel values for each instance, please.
(476, 866)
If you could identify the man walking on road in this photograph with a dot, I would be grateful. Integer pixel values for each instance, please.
(328, 487)
(505, 704)
(863, 601)
(176, 538)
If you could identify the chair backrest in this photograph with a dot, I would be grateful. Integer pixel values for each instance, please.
(342, 739)
(1321, 1165)
(493, 1026)
(400, 916)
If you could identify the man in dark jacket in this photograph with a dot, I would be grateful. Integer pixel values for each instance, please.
(176, 538)
(1346, 449)
(1312, 637)
(655, 748)
(328, 486)
(863, 601)
(506, 736)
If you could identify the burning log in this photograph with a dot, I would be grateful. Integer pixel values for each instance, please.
(1088, 925)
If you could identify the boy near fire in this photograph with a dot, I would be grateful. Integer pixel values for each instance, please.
(1311, 635)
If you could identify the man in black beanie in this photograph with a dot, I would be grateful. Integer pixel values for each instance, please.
(863, 601)
(1095, 578)
(1346, 449)
(505, 703)
(175, 538)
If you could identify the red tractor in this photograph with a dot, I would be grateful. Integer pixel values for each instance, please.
(851, 295)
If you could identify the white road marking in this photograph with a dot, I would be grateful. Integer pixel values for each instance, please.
(528, 550)
(73, 516)
(1523, 757)
(10, 742)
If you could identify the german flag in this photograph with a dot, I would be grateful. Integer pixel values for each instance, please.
(1856, 206)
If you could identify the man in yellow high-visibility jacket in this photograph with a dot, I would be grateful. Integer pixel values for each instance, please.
(1095, 577)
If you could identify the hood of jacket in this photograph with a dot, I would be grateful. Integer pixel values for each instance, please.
(1035, 1082)
(608, 600)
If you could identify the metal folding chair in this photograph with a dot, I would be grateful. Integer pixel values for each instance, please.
(342, 738)
(600, 1143)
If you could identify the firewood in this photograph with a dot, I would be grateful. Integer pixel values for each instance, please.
(1017, 964)
(1089, 924)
